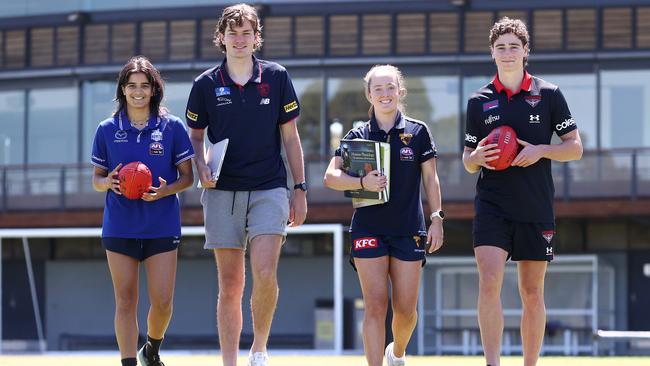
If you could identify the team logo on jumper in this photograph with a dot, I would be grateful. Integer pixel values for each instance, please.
(156, 135)
(263, 89)
(405, 138)
(533, 100)
(487, 106)
(221, 90)
(534, 118)
(417, 240)
(265, 101)
(365, 243)
(491, 119)
(406, 154)
(548, 235)
(156, 148)
(120, 136)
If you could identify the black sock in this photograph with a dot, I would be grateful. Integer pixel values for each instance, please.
(155, 346)
(129, 361)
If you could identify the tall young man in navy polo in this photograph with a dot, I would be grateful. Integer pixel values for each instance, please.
(251, 102)
(514, 207)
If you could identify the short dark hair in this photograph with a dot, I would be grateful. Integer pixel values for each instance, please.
(235, 15)
(515, 26)
(141, 64)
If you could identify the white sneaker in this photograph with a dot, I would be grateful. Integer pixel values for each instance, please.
(391, 360)
(258, 359)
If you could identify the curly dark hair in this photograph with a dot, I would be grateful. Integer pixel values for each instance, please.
(515, 26)
(141, 64)
(235, 15)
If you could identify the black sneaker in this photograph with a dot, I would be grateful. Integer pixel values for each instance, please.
(146, 360)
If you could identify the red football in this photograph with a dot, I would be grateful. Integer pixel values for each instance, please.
(506, 139)
(135, 179)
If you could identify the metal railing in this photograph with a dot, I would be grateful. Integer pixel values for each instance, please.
(620, 174)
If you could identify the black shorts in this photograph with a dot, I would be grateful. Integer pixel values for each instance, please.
(522, 240)
(141, 249)
(406, 248)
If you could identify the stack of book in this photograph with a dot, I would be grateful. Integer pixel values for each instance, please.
(360, 157)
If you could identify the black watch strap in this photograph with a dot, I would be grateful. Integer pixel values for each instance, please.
(302, 186)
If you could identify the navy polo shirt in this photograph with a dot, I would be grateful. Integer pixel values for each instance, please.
(535, 112)
(161, 146)
(250, 116)
(410, 146)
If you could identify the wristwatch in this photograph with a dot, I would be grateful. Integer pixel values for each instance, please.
(439, 214)
(302, 186)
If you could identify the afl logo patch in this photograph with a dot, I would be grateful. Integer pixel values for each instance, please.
(406, 154)
(156, 148)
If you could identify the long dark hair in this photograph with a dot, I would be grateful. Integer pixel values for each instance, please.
(141, 64)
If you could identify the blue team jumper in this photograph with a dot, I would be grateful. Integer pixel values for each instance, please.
(514, 207)
(400, 221)
(249, 115)
(161, 145)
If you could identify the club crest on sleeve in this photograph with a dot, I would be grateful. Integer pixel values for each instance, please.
(417, 240)
(487, 106)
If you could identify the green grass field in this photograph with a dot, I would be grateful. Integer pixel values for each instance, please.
(84, 359)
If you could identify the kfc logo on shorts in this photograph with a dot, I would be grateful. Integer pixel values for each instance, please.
(365, 243)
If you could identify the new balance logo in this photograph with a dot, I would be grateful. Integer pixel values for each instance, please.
(265, 101)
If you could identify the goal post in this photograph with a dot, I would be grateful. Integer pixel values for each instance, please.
(336, 230)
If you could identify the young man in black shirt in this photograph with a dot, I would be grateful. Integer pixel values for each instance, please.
(514, 207)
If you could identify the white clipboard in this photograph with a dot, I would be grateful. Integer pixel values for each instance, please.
(214, 156)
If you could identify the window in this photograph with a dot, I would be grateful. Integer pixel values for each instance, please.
(176, 98)
(12, 127)
(52, 125)
(580, 93)
(98, 105)
(309, 92)
(434, 100)
(346, 104)
(625, 115)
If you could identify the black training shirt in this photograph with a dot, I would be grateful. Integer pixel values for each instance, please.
(535, 112)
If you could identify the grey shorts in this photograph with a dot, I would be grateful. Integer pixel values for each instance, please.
(233, 218)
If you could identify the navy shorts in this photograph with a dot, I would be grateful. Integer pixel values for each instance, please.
(406, 248)
(522, 240)
(141, 249)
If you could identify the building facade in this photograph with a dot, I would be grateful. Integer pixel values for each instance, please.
(58, 64)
